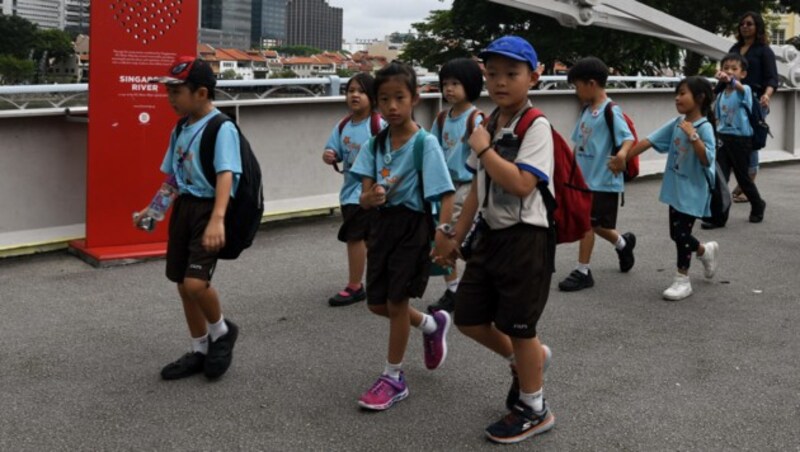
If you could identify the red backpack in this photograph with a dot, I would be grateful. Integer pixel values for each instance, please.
(570, 209)
(632, 167)
(374, 128)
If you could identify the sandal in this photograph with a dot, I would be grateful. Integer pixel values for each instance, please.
(740, 198)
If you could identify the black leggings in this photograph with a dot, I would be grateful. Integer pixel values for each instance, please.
(680, 231)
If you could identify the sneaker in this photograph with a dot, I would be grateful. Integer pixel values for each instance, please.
(384, 393)
(709, 259)
(435, 344)
(521, 423)
(626, 259)
(513, 392)
(186, 366)
(347, 297)
(710, 225)
(447, 302)
(576, 281)
(757, 212)
(220, 352)
(681, 288)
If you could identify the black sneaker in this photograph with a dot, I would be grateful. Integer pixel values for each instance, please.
(447, 302)
(220, 352)
(521, 423)
(757, 212)
(576, 281)
(626, 259)
(710, 225)
(347, 297)
(186, 366)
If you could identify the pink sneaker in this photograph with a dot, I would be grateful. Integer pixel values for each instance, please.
(384, 393)
(435, 344)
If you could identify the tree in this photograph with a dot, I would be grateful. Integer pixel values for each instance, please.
(229, 74)
(15, 71)
(17, 36)
(296, 50)
(343, 72)
(284, 73)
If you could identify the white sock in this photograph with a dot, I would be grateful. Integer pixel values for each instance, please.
(535, 400)
(200, 344)
(583, 268)
(393, 370)
(217, 330)
(620, 245)
(428, 324)
(452, 286)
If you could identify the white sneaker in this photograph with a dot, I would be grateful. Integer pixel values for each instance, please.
(709, 259)
(681, 288)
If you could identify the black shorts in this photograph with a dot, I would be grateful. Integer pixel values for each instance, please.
(507, 281)
(398, 255)
(355, 223)
(604, 209)
(186, 257)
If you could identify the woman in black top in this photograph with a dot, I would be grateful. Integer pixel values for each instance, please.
(762, 72)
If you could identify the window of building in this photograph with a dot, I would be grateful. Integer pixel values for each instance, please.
(778, 36)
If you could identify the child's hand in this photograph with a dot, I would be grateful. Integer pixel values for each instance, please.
(329, 157)
(138, 217)
(480, 139)
(445, 251)
(722, 77)
(214, 235)
(376, 196)
(617, 164)
(687, 128)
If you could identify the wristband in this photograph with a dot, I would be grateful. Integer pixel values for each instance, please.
(483, 151)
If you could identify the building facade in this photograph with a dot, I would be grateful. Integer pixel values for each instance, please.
(269, 23)
(44, 13)
(76, 14)
(227, 26)
(314, 23)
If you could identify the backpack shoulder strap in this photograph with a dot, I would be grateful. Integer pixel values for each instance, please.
(608, 113)
(524, 123)
(208, 144)
(440, 118)
(419, 149)
(374, 123)
(344, 122)
(471, 120)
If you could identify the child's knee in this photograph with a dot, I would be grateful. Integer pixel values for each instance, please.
(397, 308)
(378, 309)
(195, 288)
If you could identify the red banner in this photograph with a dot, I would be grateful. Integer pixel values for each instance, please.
(130, 119)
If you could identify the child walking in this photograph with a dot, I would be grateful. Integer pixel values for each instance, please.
(197, 225)
(343, 145)
(736, 133)
(461, 82)
(594, 150)
(689, 142)
(397, 182)
(506, 282)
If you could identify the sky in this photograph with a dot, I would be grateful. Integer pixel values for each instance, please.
(366, 19)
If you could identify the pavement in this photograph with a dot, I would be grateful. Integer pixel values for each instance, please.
(82, 349)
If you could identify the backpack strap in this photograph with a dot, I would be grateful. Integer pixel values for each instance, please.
(419, 150)
(344, 122)
(471, 121)
(374, 123)
(608, 113)
(208, 146)
(440, 118)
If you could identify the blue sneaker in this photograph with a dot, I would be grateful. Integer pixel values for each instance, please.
(521, 423)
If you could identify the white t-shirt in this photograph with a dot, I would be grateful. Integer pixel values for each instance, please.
(535, 155)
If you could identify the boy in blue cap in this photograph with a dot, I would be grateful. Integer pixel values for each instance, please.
(507, 278)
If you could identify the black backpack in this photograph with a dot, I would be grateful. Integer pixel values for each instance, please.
(759, 123)
(720, 199)
(246, 208)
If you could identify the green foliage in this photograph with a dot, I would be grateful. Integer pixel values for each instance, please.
(229, 74)
(17, 36)
(344, 72)
(296, 50)
(15, 71)
(54, 43)
(285, 73)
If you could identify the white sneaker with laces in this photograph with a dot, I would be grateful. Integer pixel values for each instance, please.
(709, 259)
(681, 288)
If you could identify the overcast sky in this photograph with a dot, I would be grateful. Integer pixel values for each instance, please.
(377, 18)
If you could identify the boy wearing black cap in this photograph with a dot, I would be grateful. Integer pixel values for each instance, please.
(507, 278)
(196, 228)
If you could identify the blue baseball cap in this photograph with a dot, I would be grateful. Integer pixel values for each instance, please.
(512, 47)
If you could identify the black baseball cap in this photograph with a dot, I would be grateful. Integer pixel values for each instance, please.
(189, 69)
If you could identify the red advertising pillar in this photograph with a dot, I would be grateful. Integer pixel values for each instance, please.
(130, 120)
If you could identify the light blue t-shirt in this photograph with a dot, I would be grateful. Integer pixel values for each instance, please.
(399, 175)
(593, 147)
(686, 181)
(731, 111)
(347, 144)
(455, 143)
(183, 157)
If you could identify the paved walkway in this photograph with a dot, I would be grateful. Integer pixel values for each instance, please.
(82, 349)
